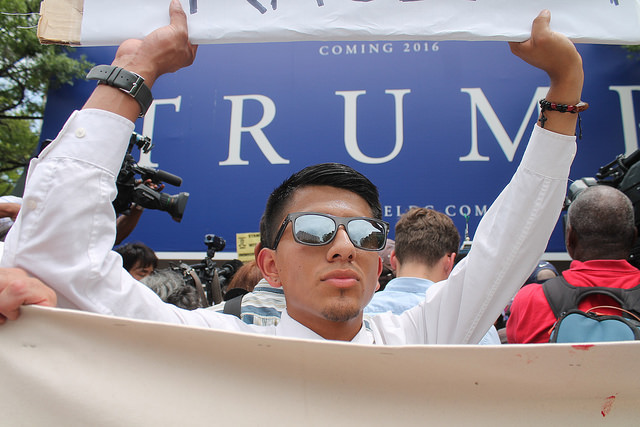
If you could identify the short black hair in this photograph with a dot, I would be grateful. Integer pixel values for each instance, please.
(134, 252)
(334, 175)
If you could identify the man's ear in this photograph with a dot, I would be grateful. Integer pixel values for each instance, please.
(451, 261)
(570, 240)
(266, 262)
(257, 249)
(393, 260)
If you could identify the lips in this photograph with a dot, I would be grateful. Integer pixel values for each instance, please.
(341, 278)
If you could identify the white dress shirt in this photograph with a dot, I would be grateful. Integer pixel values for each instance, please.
(66, 229)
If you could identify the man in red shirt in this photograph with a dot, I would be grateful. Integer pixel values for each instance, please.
(599, 237)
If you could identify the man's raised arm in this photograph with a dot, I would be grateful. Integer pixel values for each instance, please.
(514, 233)
(65, 231)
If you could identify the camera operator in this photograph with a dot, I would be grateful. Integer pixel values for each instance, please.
(128, 220)
(126, 223)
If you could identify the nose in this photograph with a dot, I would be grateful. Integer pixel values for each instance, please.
(341, 246)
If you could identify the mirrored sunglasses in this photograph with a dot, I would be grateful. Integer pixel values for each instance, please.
(316, 229)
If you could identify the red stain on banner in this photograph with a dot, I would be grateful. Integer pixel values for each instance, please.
(608, 403)
(583, 347)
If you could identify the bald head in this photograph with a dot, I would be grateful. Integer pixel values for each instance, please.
(600, 225)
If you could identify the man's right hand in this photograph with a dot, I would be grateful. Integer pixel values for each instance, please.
(18, 288)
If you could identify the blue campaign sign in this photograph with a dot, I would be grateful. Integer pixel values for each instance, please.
(438, 124)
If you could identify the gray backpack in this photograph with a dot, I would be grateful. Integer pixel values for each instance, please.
(574, 325)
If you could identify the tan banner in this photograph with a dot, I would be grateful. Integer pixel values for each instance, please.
(69, 368)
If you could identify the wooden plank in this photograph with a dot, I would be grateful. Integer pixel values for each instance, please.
(60, 22)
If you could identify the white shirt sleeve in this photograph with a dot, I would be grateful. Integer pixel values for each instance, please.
(65, 231)
(510, 239)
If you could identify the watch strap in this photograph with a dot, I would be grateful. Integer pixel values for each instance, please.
(127, 81)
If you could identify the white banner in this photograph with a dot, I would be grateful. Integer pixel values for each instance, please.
(70, 368)
(240, 21)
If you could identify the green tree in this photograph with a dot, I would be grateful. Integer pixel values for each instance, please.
(28, 70)
(634, 51)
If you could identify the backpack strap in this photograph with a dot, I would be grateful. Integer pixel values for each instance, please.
(563, 296)
(554, 292)
(198, 284)
(234, 306)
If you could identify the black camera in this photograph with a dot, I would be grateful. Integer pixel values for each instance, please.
(209, 280)
(622, 173)
(146, 190)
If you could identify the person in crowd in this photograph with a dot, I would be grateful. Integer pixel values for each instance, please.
(388, 272)
(171, 288)
(245, 279)
(600, 232)
(262, 306)
(543, 272)
(425, 247)
(126, 223)
(138, 259)
(425, 250)
(321, 230)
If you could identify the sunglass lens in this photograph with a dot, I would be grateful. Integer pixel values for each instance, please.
(314, 229)
(366, 234)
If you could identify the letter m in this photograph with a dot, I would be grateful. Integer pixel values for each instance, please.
(480, 103)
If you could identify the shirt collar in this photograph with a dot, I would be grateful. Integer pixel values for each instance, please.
(604, 264)
(416, 285)
(288, 327)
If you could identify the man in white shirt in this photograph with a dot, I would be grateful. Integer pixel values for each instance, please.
(329, 267)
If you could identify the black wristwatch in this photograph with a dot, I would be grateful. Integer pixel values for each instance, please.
(127, 81)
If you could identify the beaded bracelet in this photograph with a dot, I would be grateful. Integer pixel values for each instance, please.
(562, 108)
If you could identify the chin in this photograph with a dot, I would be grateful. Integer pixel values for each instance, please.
(342, 312)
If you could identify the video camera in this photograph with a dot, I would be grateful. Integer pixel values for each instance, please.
(209, 280)
(139, 191)
(622, 173)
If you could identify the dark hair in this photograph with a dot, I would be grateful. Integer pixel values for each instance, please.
(137, 252)
(424, 235)
(602, 220)
(330, 174)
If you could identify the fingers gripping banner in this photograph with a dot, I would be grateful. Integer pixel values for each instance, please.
(99, 22)
(62, 367)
